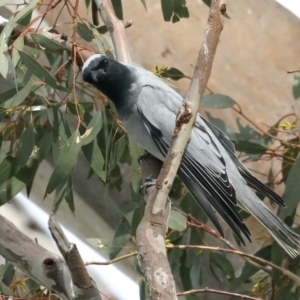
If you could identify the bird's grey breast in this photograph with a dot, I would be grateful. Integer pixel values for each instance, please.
(136, 128)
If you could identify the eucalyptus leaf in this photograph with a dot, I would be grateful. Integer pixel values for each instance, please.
(296, 88)
(173, 74)
(38, 70)
(117, 4)
(95, 158)
(217, 101)
(25, 146)
(92, 129)
(47, 43)
(8, 168)
(84, 32)
(250, 147)
(58, 122)
(221, 262)
(177, 221)
(249, 270)
(65, 163)
(17, 183)
(121, 238)
(291, 194)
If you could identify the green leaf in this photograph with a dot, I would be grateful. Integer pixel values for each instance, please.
(37, 69)
(70, 75)
(289, 157)
(172, 73)
(117, 4)
(177, 221)
(95, 158)
(3, 64)
(58, 122)
(144, 4)
(92, 129)
(25, 20)
(121, 238)
(221, 125)
(117, 151)
(217, 101)
(250, 147)
(7, 95)
(296, 88)
(65, 163)
(7, 273)
(292, 191)
(19, 96)
(84, 32)
(69, 194)
(25, 146)
(185, 270)
(221, 262)
(18, 46)
(46, 43)
(17, 183)
(45, 144)
(207, 2)
(8, 168)
(137, 217)
(180, 9)
(26, 78)
(249, 270)
(167, 9)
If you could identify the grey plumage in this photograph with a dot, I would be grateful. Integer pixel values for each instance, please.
(216, 178)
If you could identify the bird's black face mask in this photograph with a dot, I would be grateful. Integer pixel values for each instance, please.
(96, 70)
(110, 77)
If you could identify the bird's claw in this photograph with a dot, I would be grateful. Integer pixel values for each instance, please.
(148, 183)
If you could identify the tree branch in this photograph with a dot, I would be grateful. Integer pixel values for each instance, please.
(36, 262)
(150, 240)
(285, 272)
(212, 291)
(84, 287)
(151, 231)
(186, 118)
(116, 29)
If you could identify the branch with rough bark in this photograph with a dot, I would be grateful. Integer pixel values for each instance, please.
(152, 229)
(84, 286)
(43, 266)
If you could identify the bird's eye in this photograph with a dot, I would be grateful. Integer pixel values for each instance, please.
(102, 65)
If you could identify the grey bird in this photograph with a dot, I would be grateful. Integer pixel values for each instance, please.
(147, 107)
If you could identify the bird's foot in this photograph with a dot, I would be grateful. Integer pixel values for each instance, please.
(148, 183)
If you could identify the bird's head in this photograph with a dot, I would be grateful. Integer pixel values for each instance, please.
(110, 77)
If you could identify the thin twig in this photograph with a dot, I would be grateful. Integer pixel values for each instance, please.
(105, 263)
(212, 291)
(289, 274)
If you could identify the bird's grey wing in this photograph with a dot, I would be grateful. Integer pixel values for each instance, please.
(250, 179)
(202, 169)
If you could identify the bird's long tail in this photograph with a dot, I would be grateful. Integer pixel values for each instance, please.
(285, 237)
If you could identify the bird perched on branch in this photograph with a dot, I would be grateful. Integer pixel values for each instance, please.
(147, 107)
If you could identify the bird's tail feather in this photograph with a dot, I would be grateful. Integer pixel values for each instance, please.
(284, 235)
